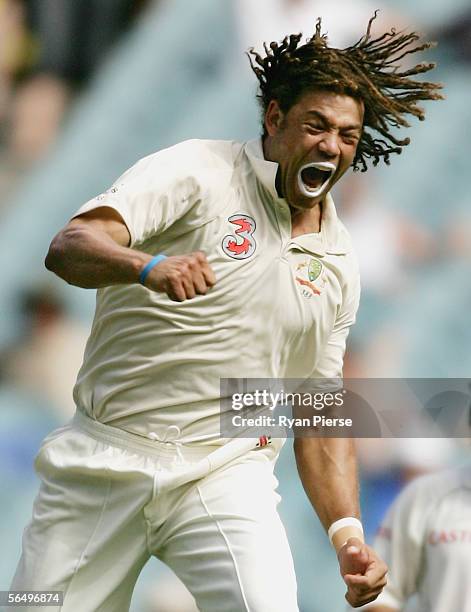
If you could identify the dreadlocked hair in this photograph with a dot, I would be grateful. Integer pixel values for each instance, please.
(368, 70)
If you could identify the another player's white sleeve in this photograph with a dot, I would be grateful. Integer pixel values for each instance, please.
(151, 196)
(330, 364)
(399, 542)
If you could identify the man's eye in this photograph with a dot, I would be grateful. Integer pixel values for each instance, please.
(353, 134)
(314, 128)
(350, 138)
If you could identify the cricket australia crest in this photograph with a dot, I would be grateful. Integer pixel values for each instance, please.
(309, 277)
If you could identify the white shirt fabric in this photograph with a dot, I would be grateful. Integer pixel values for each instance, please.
(151, 362)
(425, 540)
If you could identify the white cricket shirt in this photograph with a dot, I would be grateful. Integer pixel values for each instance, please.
(426, 542)
(281, 306)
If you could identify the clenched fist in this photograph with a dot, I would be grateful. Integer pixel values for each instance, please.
(363, 571)
(182, 277)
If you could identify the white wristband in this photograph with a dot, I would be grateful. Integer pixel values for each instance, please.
(348, 521)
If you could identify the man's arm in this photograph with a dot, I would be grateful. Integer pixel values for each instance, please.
(92, 251)
(328, 468)
(328, 471)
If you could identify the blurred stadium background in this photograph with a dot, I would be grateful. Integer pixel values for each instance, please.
(87, 87)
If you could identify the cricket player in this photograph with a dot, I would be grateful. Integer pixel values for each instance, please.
(426, 541)
(217, 259)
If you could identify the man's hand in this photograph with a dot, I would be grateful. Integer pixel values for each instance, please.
(182, 277)
(363, 571)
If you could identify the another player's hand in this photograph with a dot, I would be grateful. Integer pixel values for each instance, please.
(363, 571)
(182, 277)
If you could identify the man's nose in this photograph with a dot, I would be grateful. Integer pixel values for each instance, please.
(329, 145)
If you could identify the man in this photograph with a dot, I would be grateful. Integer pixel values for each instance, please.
(216, 259)
(426, 539)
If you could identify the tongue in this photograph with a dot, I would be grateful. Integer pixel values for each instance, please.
(313, 177)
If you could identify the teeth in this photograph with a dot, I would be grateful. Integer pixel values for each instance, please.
(311, 192)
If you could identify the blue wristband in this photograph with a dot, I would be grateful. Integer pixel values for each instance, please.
(148, 267)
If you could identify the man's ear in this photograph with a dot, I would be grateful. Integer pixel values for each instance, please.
(273, 118)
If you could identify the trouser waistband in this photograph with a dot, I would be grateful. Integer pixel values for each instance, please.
(124, 439)
(205, 459)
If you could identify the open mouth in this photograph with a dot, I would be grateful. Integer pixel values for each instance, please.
(314, 178)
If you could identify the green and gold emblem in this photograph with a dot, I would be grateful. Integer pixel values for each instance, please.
(314, 269)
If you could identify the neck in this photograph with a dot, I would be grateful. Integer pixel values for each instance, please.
(266, 146)
(306, 221)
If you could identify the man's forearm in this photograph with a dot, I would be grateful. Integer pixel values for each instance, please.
(328, 471)
(89, 258)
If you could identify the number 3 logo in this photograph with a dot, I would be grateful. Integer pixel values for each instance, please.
(241, 244)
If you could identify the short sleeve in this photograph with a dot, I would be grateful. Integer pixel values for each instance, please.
(330, 364)
(151, 196)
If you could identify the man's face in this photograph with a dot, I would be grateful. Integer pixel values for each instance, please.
(314, 143)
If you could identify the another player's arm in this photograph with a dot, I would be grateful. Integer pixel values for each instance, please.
(375, 608)
(93, 251)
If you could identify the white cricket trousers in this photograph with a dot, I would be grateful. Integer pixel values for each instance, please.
(109, 500)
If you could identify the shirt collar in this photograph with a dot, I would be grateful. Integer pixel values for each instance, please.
(333, 237)
(264, 169)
